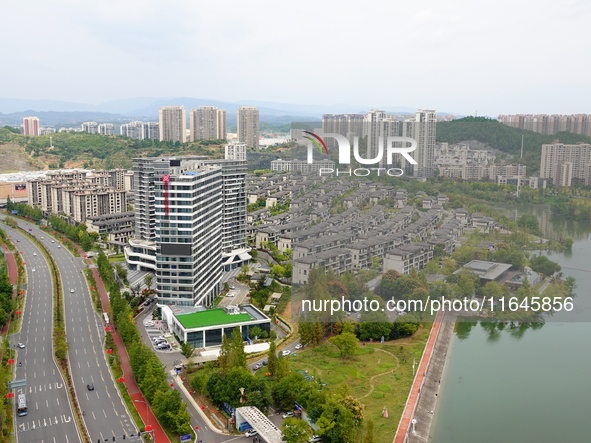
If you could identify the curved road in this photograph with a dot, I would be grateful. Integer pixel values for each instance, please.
(106, 415)
(50, 417)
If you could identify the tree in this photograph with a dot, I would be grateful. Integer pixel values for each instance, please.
(296, 431)
(149, 280)
(239, 356)
(336, 424)
(255, 332)
(347, 343)
(272, 359)
(432, 267)
(282, 367)
(369, 432)
(187, 349)
(287, 390)
(544, 265)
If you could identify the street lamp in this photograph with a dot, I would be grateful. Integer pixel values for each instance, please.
(147, 418)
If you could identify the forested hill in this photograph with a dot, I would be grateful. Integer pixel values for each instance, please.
(80, 149)
(504, 138)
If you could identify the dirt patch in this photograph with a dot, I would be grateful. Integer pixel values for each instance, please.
(14, 158)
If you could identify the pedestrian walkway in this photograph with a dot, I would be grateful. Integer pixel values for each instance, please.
(411, 403)
(132, 387)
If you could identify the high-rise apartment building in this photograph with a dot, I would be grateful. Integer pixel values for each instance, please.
(90, 127)
(141, 130)
(378, 126)
(190, 222)
(549, 124)
(347, 125)
(235, 151)
(173, 124)
(566, 164)
(247, 121)
(106, 129)
(423, 129)
(31, 126)
(207, 123)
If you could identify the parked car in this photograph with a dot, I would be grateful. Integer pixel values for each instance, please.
(149, 323)
(163, 346)
(315, 438)
(158, 338)
(250, 433)
(299, 346)
(288, 414)
(286, 352)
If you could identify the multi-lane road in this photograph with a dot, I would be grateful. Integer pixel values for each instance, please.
(50, 417)
(105, 415)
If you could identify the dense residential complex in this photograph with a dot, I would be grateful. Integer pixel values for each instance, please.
(326, 231)
(141, 130)
(190, 224)
(549, 124)
(207, 123)
(247, 123)
(80, 195)
(173, 124)
(566, 164)
(31, 126)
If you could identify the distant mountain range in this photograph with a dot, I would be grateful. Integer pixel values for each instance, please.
(55, 112)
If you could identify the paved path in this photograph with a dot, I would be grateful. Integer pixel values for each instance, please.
(132, 387)
(411, 403)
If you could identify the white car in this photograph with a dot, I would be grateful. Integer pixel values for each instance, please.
(71, 290)
(314, 439)
(59, 246)
(288, 414)
(52, 241)
(286, 353)
(250, 433)
(35, 254)
(149, 323)
(299, 346)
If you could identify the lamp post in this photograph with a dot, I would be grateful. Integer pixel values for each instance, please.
(147, 419)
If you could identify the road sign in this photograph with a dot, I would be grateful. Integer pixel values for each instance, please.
(186, 437)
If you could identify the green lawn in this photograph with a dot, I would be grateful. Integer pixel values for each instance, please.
(390, 365)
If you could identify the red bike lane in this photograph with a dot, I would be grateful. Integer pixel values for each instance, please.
(132, 387)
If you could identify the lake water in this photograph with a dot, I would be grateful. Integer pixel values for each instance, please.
(531, 385)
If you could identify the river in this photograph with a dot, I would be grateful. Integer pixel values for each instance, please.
(524, 385)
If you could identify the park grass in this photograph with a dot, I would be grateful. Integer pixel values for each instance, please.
(390, 364)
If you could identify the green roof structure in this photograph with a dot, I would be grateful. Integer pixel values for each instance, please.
(211, 317)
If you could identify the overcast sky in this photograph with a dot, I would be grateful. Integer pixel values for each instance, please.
(457, 56)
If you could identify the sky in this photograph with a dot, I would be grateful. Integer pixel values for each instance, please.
(458, 56)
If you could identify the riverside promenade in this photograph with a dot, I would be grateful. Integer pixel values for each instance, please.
(415, 423)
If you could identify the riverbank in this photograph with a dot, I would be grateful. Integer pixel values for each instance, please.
(416, 419)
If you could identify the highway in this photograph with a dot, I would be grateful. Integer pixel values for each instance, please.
(50, 418)
(106, 415)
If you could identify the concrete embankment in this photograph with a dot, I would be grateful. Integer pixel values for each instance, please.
(421, 406)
